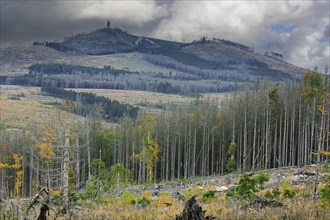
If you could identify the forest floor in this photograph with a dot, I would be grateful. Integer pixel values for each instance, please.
(166, 200)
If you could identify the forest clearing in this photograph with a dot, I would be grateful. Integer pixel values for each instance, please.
(230, 153)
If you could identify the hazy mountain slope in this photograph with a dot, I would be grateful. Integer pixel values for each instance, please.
(215, 54)
(103, 41)
(235, 57)
(16, 60)
(108, 41)
(147, 64)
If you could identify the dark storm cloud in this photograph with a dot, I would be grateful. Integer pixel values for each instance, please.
(26, 21)
(327, 32)
(23, 20)
(298, 29)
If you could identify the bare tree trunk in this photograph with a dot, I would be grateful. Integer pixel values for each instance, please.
(78, 160)
(140, 173)
(245, 150)
(179, 156)
(189, 149)
(88, 154)
(275, 145)
(266, 135)
(167, 150)
(194, 153)
(284, 143)
(300, 137)
(66, 169)
(254, 139)
(313, 128)
(306, 141)
(203, 164)
(292, 154)
(31, 171)
(186, 153)
(212, 154)
(173, 155)
(224, 155)
(126, 151)
(320, 141)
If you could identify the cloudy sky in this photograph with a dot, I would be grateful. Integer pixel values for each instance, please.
(297, 29)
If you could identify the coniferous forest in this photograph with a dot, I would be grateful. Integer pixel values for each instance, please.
(270, 126)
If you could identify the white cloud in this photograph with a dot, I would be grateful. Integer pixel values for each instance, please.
(250, 22)
(131, 12)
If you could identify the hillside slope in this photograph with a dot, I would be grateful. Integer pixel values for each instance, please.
(17, 60)
(202, 66)
(206, 54)
(235, 57)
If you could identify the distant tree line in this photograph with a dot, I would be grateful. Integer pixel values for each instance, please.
(228, 73)
(74, 70)
(275, 55)
(189, 59)
(226, 42)
(112, 110)
(54, 45)
(69, 76)
(136, 82)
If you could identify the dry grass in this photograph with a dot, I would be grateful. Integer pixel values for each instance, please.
(135, 97)
(20, 106)
(220, 207)
(301, 206)
(165, 206)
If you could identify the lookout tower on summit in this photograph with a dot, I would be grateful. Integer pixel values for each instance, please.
(108, 23)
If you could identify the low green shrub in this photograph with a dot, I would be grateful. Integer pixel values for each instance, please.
(325, 195)
(209, 194)
(247, 187)
(273, 194)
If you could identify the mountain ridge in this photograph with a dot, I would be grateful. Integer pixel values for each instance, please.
(221, 54)
(146, 64)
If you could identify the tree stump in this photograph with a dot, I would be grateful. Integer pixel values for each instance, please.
(43, 212)
(193, 211)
